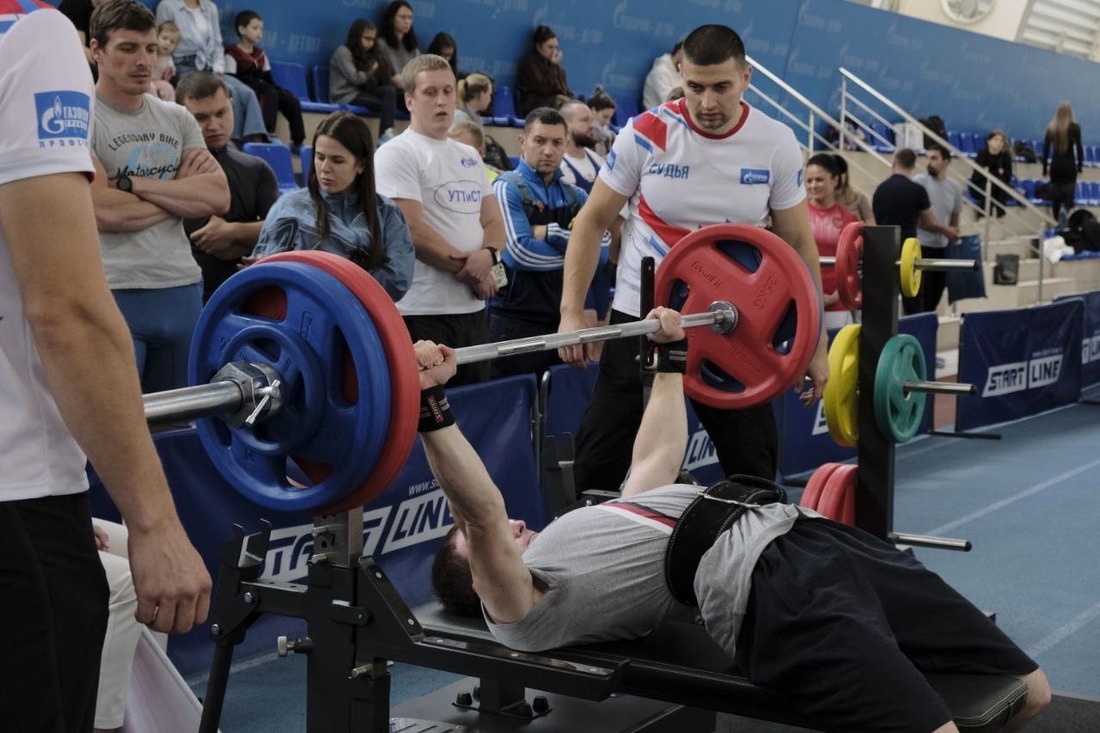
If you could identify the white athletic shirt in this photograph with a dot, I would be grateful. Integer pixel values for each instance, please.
(46, 101)
(680, 179)
(448, 179)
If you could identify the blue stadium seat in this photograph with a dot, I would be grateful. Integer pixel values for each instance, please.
(277, 156)
(504, 107)
(1028, 186)
(293, 77)
(1092, 156)
(955, 139)
(882, 137)
(306, 159)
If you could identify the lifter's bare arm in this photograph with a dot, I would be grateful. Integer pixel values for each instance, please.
(501, 580)
(662, 437)
(85, 349)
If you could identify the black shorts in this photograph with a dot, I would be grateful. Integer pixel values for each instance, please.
(845, 624)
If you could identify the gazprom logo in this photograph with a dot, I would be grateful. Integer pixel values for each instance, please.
(62, 115)
(754, 176)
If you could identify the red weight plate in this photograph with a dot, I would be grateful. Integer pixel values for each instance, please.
(811, 495)
(775, 296)
(849, 253)
(838, 498)
(405, 399)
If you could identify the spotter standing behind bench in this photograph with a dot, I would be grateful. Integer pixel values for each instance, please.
(838, 620)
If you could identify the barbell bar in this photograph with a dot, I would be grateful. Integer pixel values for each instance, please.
(922, 263)
(234, 391)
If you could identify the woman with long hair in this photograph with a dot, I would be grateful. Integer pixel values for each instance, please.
(443, 44)
(1063, 152)
(339, 211)
(360, 74)
(399, 42)
(849, 197)
(827, 219)
(540, 78)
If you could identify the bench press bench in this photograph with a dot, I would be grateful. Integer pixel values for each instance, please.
(680, 663)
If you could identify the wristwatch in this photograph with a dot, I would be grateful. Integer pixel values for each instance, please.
(495, 253)
(123, 183)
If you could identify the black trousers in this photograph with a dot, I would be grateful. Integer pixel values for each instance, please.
(456, 331)
(53, 612)
(502, 328)
(274, 99)
(746, 441)
(932, 285)
(384, 99)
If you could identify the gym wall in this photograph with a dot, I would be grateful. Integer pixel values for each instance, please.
(974, 82)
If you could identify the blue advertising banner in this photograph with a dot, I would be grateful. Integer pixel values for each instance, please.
(401, 528)
(805, 442)
(1022, 361)
(1090, 337)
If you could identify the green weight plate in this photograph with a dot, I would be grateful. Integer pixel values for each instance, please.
(898, 412)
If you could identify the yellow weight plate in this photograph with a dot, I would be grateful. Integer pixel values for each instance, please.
(910, 275)
(841, 398)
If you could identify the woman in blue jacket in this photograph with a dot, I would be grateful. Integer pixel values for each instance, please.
(339, 210)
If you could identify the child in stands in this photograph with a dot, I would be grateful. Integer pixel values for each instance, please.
(168, 37)
(248, 62)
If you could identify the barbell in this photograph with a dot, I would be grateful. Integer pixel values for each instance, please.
(849, 254)
(304, 379)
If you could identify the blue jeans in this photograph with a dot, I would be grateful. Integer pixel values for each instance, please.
(248, 118)
(161, 322)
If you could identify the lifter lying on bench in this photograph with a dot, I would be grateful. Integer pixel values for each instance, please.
(843, 624)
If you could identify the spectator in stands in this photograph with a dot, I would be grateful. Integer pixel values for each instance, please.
(441, 187)
(340, 211)
(218, 243)
(443, 44)
(248, 63)
(581, 163)
(602, 105)
(827, 220)
(538, 209)
(900, 202)
(201, 48)
(69, 394)
(1064, 155)
(851, 199)
(540, 78)
(946, 198)
(663, 77)
(475, 96)
(152, 171)
(399, 42)
(360, 74)
(168, 37)
(995, 157)
(468, 133)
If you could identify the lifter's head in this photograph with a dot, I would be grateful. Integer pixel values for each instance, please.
(452, 580)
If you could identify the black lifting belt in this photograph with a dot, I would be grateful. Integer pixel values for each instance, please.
(709, 515)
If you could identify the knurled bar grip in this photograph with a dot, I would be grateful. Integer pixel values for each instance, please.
(549, 342)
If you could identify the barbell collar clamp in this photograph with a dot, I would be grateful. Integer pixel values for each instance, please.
(237, 392)
(941, 387)
(939, 543)
(720, 316)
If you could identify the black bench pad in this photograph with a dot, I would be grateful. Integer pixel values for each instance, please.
(680, 663)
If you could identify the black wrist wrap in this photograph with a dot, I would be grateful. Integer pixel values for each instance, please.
(672, 357)
(435, 410)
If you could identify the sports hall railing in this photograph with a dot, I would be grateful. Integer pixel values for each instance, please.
(868, 108)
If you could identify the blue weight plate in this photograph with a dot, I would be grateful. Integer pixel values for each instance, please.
(314, 332)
